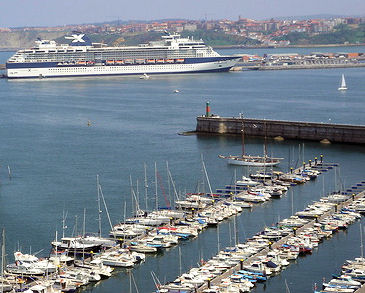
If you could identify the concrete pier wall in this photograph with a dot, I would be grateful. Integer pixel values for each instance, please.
(287, 129)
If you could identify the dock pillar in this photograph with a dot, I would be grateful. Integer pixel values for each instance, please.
(315, 161)
(310, 163)
(209, 283)
(321, 156)
(241, 264)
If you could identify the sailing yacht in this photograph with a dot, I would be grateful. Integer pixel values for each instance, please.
(248, 160)
(343, 86)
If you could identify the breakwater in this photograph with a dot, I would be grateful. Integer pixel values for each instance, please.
(341, 133)
(243, 66)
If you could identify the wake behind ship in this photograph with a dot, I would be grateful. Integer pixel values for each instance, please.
(172, 54)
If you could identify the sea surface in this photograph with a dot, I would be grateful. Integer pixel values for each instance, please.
(56, 135)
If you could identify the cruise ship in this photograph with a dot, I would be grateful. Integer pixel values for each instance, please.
(172, 54)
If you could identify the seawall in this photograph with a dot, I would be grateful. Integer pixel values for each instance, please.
(340, 133)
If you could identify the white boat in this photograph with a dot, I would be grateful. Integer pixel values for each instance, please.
(96, 265)
(343, 86)
(142, 248)
(76, 244)
(255, 161)
(245, 181)
(144, 76)
(173, 54)
(116, 260)
(45, 264)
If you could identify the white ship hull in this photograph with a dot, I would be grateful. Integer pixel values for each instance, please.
(251, 163)
(102, 70)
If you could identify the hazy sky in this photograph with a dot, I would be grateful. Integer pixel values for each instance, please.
(60, 12)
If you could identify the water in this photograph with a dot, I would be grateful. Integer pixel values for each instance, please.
(54, 156)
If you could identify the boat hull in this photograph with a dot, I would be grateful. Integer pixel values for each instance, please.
(45, 70)
(237, 161)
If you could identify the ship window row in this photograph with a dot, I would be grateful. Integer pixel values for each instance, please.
(113, 56)
(110, 54)
(113, 68)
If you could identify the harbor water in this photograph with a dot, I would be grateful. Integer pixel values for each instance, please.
(58, 134)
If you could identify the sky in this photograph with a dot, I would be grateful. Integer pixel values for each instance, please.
(16, 13)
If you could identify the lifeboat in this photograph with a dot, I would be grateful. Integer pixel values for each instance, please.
(81, 63)
(140, 61)
(180, 60)
(109, 62)
(119, 62)
(151, 61)
(169, 60)
(128, 61)
(160, 61)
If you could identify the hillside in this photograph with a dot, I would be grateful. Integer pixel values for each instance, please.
(21, 39)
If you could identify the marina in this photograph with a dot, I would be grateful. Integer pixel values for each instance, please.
(71, 172)
(143, 234)
(320, 223)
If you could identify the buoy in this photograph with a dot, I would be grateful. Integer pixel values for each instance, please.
(325, 141)
(279, 138)
(88, 123)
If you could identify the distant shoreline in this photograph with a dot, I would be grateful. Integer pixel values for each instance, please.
(289, 46)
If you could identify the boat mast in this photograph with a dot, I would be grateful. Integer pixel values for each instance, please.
(99, 206)
(218, 240)
(361, 244)
(156, 195)
(168, 181)
(2, 258)
(265, 142)
(132, 202)
(145, 186)
(243, 138)
(206, 176)
(106, 208)
(180, 268)
(64, 227)
(84, 224)
(235, 217)
(137, 192)
(173, 184)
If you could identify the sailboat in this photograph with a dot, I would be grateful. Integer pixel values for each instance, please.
(343, 86)
(248, 160)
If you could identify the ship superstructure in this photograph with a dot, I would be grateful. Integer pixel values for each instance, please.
(172, 54)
